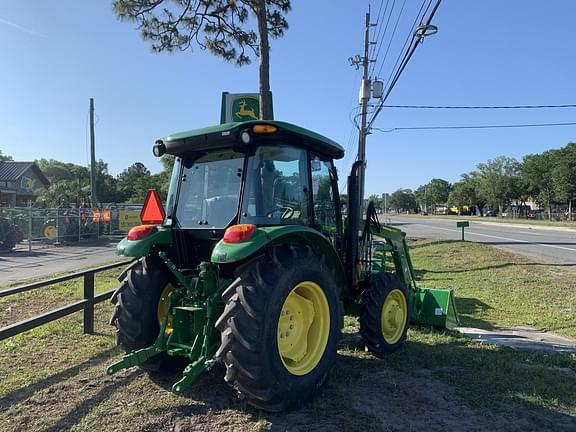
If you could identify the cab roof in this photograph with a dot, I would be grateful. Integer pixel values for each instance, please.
(224, 135)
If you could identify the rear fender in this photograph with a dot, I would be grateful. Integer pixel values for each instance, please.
(226, 253)
(139, 248)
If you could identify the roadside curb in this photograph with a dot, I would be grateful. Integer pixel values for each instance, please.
(485, 222)
(527, 338)
(526, 226)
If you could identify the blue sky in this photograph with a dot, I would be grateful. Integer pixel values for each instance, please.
(56, 55)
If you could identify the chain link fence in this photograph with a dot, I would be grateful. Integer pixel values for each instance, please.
(40, 227)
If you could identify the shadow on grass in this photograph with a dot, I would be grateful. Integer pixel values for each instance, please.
(468, 308)
(421, 243)
(81, 410)
(25, 392)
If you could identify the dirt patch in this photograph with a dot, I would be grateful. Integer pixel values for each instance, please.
(419, 402)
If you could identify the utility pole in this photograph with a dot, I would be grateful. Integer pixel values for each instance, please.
(93, 197)
(364, 97)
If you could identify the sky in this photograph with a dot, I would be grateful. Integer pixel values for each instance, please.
(56, 55)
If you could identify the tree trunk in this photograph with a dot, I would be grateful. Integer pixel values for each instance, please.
(265, 96)
(570, 210)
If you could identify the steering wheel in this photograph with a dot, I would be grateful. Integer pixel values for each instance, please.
(285, 212)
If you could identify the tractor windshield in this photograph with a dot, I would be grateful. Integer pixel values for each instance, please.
(209, 190)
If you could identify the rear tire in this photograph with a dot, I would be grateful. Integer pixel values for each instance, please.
(136, 314)
(385, 314)
(257, 327)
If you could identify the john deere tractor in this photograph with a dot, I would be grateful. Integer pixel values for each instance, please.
(251, 264)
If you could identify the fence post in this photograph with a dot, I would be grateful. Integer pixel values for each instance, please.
(57, 226)
(29, 226)
(89, 306)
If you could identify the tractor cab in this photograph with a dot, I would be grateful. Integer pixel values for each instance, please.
(256, 173)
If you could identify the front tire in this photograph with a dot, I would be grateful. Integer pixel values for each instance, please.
(385, 314)
(279, 327)
(138, 305)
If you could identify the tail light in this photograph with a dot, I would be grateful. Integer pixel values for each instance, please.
(139, 232)
(239, 233)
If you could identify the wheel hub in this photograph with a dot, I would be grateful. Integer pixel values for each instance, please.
(394, 315)
(303, 328)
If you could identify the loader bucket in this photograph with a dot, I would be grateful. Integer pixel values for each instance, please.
(434, 306)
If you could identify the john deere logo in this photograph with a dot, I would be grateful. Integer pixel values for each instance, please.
(246, 108)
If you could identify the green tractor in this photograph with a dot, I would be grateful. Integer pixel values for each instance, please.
(251, 264)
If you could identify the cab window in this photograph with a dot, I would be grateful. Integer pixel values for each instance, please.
(324, 208)
(276, 190)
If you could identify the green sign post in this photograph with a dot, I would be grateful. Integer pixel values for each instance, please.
(462, 224)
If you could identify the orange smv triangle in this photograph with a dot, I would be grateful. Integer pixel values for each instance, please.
(153, 212)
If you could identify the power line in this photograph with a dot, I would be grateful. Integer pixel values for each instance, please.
(373, 45)
(523, 125)
(419, 34)
(409, 39)
(379, 44)
(391, 37)
(479, 107)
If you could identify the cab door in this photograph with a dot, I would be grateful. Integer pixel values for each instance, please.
(325, 200)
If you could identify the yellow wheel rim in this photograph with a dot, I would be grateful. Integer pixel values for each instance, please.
(50, 232)
(303, 328)
(163, 308)
(394, 315)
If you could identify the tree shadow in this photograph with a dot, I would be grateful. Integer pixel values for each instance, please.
(81, 410)
(25, 392)
(468, 308)
(421, 272)
(429, 242)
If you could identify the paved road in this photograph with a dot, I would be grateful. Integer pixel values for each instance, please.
(557, 246)
(21, 265)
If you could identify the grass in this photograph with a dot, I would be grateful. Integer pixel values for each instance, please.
(53, 377)
(498, 288)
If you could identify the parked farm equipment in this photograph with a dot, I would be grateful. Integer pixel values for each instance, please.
(252, 265)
